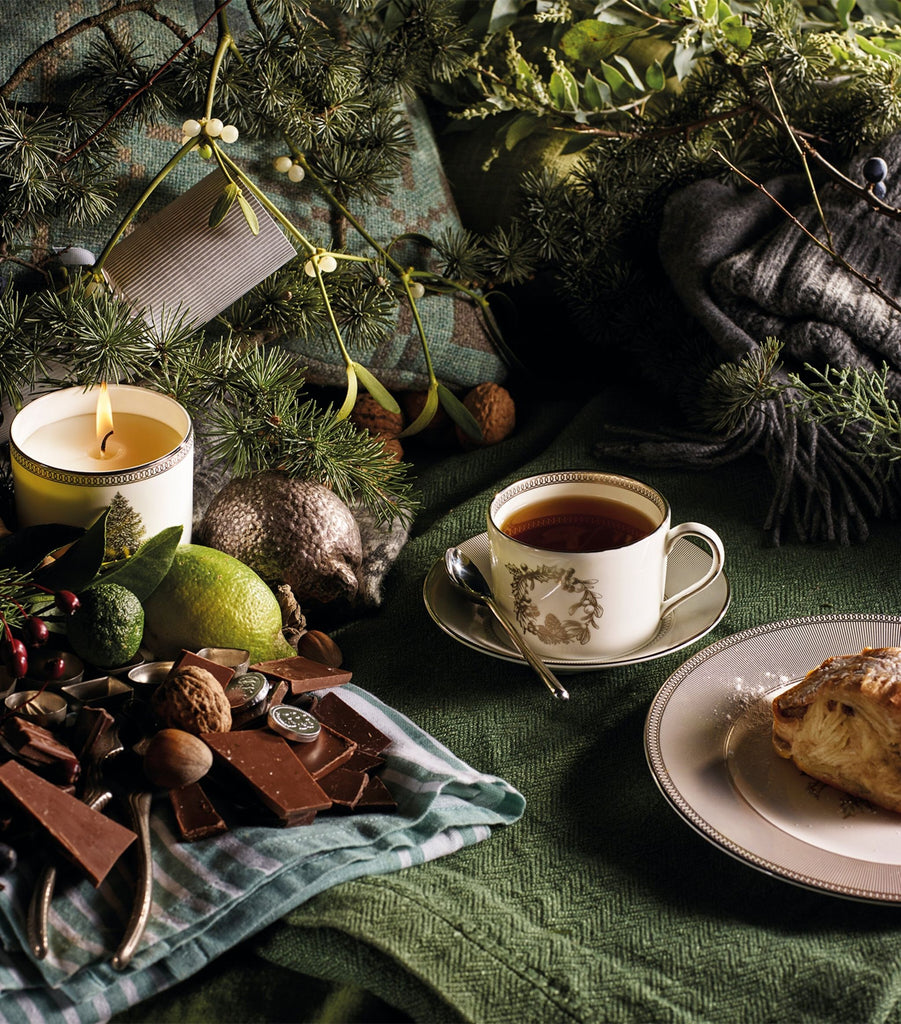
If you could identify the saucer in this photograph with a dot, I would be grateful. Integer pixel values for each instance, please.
(473, 625)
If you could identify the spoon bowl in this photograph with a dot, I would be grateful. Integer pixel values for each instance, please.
(465, 574)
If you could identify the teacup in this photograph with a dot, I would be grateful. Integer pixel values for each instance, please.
(579, 561)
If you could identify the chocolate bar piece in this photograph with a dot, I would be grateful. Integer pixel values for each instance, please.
(375, 797)
(363, 762)
(303, 674)
(268, 765)
(340, 716)
(223, 673)
(197, 818)
(344, 787)
(86, 837)
(327, 752)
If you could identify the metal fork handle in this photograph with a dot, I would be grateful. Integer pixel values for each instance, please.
(139, 806)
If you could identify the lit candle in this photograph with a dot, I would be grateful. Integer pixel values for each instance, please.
(74, 451)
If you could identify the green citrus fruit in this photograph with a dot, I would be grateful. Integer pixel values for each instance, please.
(106, 627)
(211, 599)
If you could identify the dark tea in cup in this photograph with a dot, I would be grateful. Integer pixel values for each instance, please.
(578, 522)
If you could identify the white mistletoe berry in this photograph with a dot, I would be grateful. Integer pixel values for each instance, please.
(213, 127)
(191, 128)
(417, 289)
(229, 134)
(283, 164)
(296, 173)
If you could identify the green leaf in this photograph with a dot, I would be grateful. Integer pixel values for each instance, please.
(145, 569)
(519, 128)
(843, 9)
(590, 41)
(597, 94)
(376, 388)
(425, 417)
(737, 33)
(77, 567)
(223, 204)
(629, 72)
(564, 90)
(710, 9)
(615, 80)
(25, 549)
(249, 214)
(655, 76)
(459, 413)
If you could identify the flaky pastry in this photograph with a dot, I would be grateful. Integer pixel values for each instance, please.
(841, 724)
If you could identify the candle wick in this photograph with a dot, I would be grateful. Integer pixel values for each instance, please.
(106, 437)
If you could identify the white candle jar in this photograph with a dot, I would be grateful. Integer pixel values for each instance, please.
(61, 475)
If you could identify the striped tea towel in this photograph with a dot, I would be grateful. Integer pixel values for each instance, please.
(209, 895)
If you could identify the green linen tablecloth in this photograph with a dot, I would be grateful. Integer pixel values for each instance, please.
(600, 904)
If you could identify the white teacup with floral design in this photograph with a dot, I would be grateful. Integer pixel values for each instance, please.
(579, 561)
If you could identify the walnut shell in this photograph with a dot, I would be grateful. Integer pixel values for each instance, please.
(494, 411)
(380, 422)
(174, 758)
(192, 699)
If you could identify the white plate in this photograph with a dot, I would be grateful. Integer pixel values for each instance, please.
(708, 744)
(473, 625)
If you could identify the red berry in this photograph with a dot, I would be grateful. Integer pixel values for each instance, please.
(66, 601)
(19, 664)
(36, 631)
(54, 668)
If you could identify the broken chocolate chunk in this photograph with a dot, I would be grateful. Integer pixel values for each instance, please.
(341, 717)
(327, 752)
(222, 673)
(303, 674)
(375, 797)
(344, 787)
(86, 837)
(195, 814)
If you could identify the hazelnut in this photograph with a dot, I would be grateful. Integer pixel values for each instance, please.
(494, 411)
(368, 415)
(192, 699)
(174, 758)
(320, 647)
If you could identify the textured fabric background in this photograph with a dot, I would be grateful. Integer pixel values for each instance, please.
(461, 351)
(601, 904)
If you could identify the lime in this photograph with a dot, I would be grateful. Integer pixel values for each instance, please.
(106, 628)
(211, 599)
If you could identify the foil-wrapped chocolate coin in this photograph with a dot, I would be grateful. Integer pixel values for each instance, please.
(293, 723)
(246, 691)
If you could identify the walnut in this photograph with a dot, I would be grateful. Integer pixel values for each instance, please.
(494, 411)
(192, 699)
(368, 415)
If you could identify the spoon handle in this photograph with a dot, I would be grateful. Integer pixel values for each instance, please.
(544, 673)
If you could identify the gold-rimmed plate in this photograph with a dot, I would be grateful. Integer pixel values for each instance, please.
(708, 745)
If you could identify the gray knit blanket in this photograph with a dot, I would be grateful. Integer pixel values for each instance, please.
(746, 272)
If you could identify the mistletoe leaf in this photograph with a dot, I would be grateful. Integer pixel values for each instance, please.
(223, 204)
(591, 41)
(145, 569)
(425, 417)
(350, 398)
(76, 569)
(249, 214)
(376, 388)
(459, 413)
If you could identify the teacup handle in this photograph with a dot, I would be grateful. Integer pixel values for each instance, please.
(716, 566)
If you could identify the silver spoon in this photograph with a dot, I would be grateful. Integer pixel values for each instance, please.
(465, 573)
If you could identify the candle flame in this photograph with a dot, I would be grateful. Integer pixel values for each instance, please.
(104, 417)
